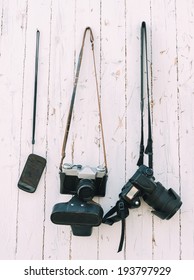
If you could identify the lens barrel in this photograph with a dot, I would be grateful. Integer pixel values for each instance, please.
(165, 202)
(86, 189)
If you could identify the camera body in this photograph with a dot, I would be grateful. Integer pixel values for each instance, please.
(83, 181)
(80, 212)
(165, 202)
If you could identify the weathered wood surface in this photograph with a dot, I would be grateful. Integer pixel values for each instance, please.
(26, 231)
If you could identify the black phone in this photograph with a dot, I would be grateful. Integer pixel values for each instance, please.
(32, 173)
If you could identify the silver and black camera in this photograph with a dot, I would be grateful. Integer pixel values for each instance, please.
(80, 212)
(83, 181)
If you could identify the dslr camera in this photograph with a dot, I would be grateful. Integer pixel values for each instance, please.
(164, 202)
(81, 212)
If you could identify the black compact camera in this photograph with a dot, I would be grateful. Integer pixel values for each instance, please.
(84, 181)
(81, 212)
(164, 202)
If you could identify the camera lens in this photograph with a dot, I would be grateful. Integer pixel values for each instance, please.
(86, 189)
(165, 202)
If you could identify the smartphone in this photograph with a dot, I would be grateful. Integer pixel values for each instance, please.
(32, 173)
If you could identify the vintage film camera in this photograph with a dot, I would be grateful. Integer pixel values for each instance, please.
(83, 182)
(164, 202)
(81, 212)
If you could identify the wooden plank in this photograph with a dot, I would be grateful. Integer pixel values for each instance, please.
(31, 212)
(113, 104)
(165, 122)
(85, 129)
(12, 60)
(139, 222)
(62, 41)
(185, 48)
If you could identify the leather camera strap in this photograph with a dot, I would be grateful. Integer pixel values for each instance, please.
(149, 148)
(73, 98)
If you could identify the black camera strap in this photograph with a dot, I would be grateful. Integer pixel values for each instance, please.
(35, 86)
(121, 210)
(73, 98)
(144, 60)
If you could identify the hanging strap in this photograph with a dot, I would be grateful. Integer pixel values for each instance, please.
(121, 210)
(149, 148)
(35, 86)
(73, 98)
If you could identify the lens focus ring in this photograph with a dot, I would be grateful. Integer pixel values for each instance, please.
(86, 189)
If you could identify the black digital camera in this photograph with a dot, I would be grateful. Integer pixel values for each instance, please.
(84, 181)
(164, 202)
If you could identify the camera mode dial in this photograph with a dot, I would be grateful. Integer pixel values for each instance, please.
(148, 172)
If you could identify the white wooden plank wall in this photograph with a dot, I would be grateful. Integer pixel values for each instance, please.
(26, 231)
